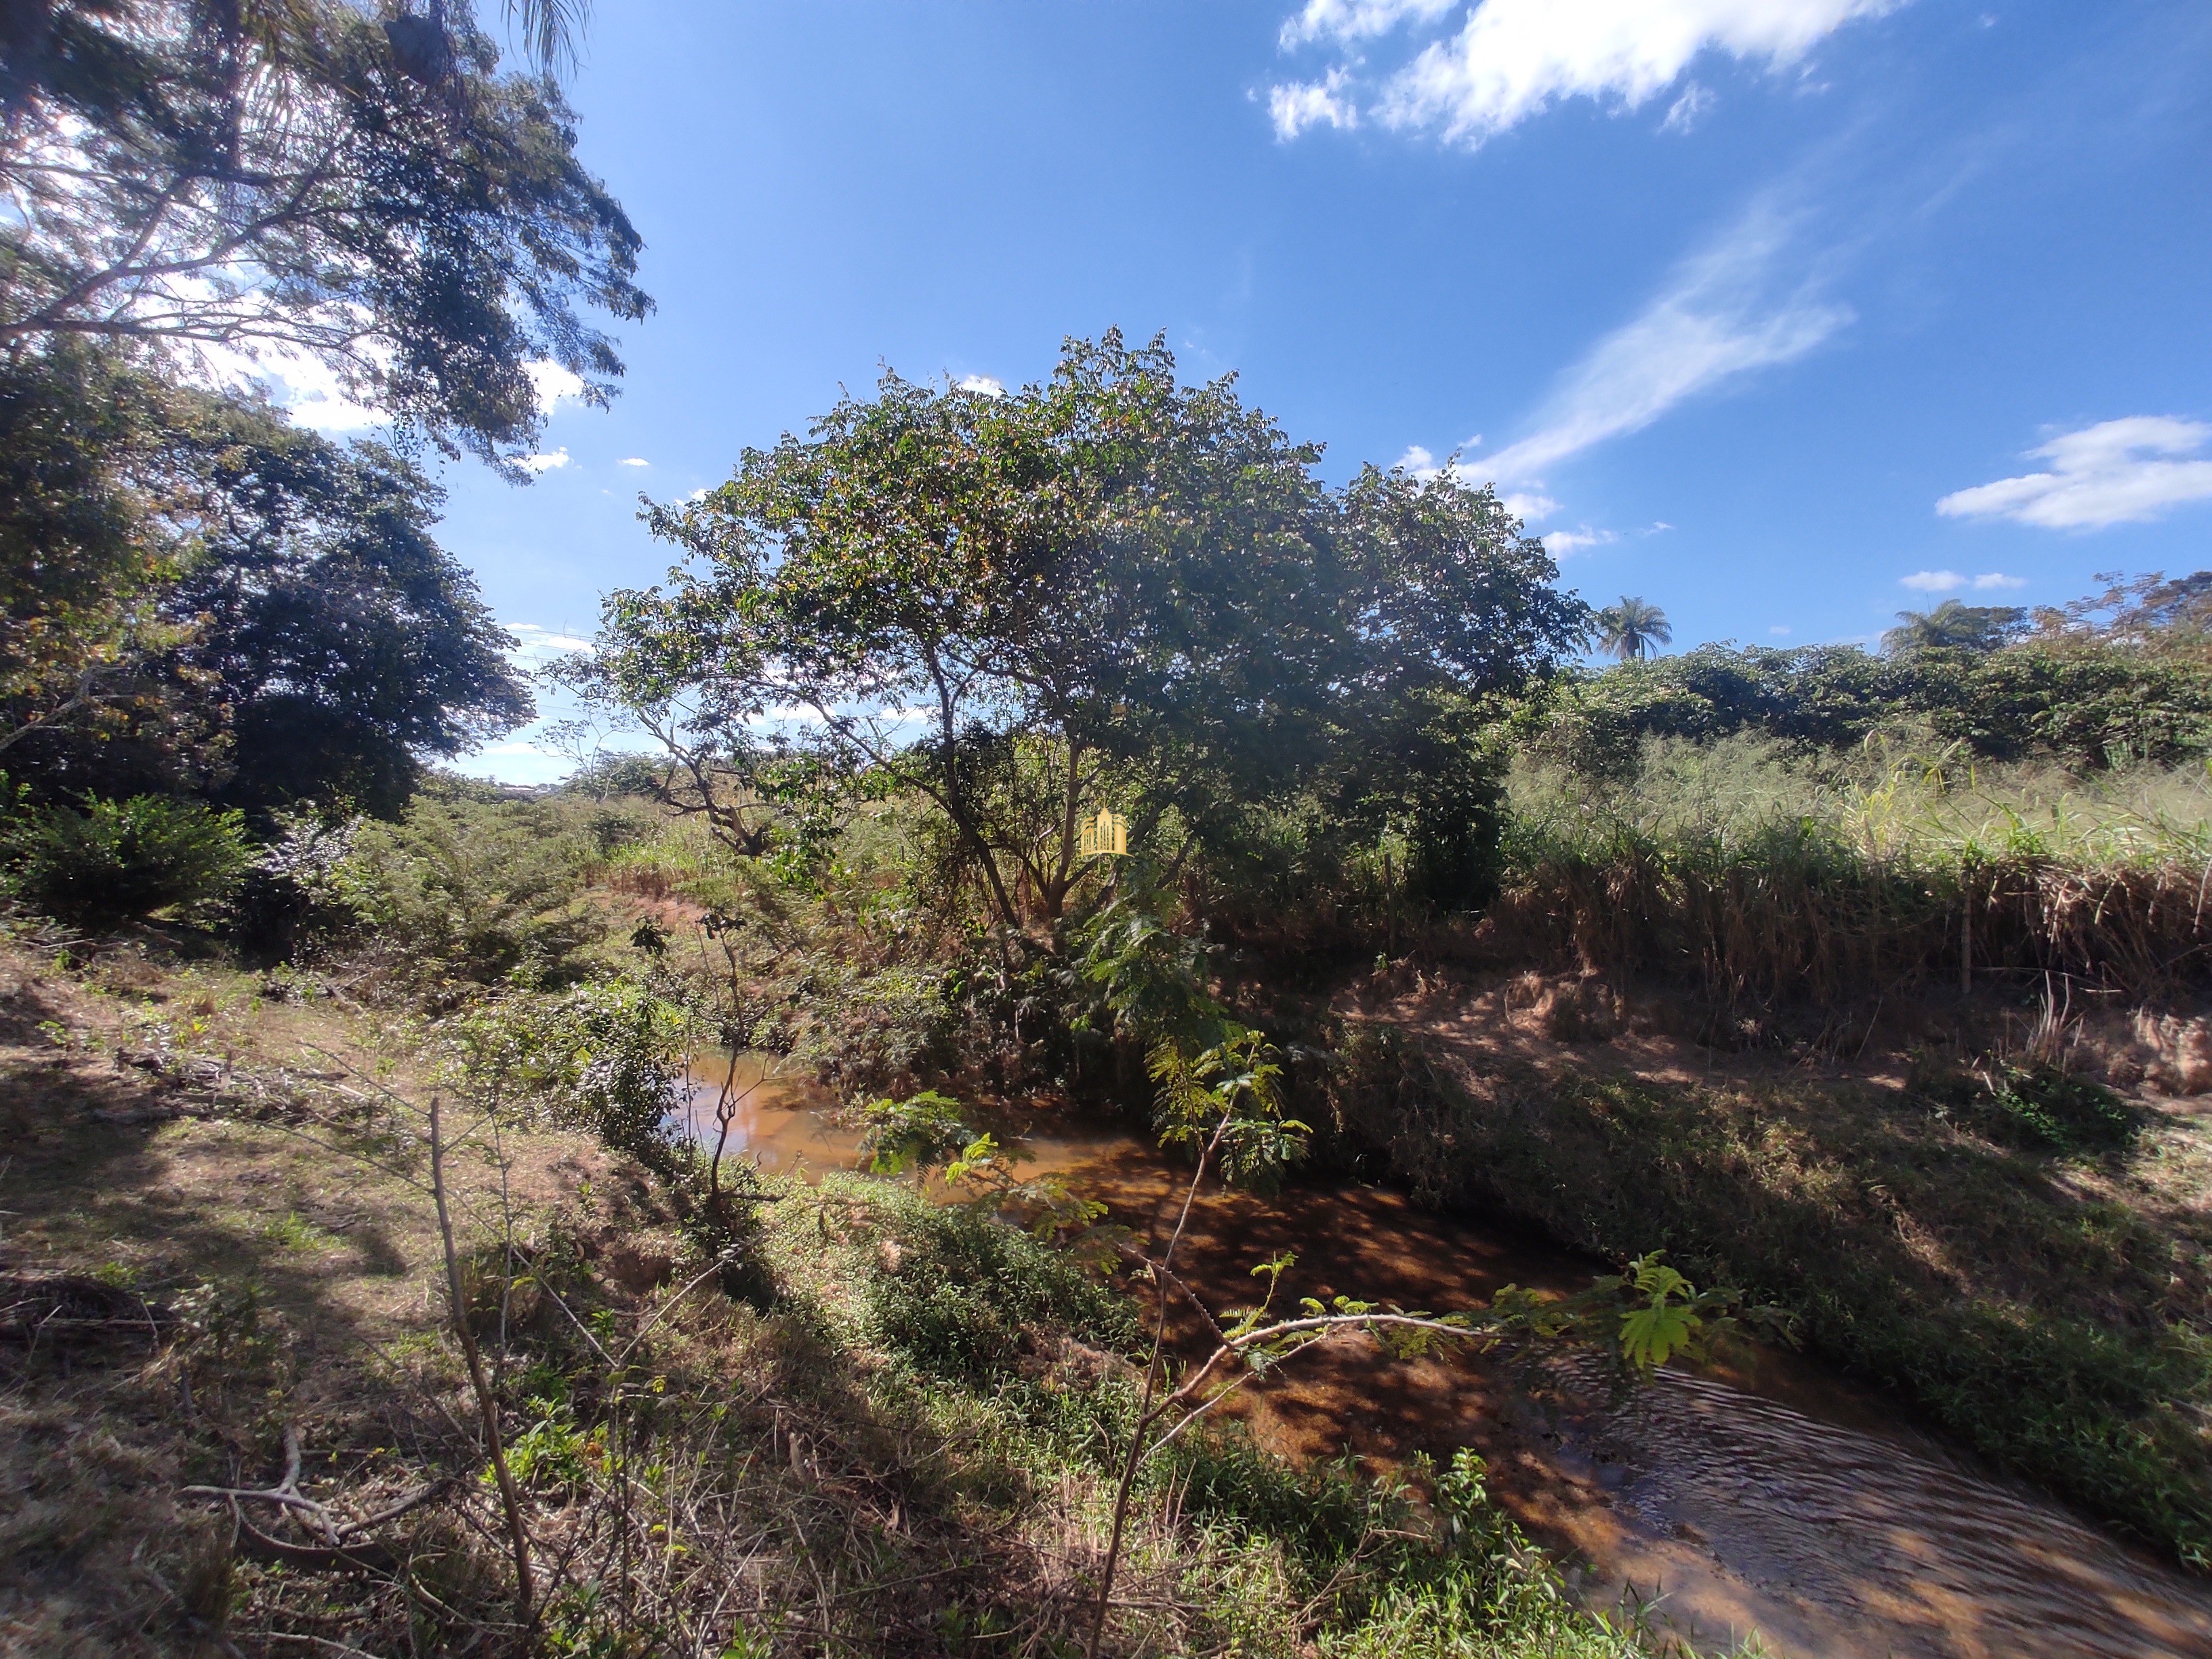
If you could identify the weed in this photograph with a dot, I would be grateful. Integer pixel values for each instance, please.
(2045, 1106)
(294, 1231)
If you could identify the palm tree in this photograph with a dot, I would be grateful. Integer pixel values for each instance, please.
(550, 29)
(1975, 626)
(1632, 628)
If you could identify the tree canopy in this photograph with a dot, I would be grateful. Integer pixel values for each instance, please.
(1109, 580)
(195, 594)
(1631, 629)
(1953, 624)
(293, 176)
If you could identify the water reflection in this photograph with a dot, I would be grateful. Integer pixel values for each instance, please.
(784, 1122)
(1769, 1497)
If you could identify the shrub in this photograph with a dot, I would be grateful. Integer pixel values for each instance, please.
(121, 860)
(967, 1289)
(290, 895)
(474, 889)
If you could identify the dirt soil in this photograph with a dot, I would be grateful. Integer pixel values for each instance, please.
(233, 1168)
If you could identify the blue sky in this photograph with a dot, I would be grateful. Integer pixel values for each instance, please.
(1782, 314)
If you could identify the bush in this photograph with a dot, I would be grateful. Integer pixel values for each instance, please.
(121, 860)
(469, 888)
(967, 1290)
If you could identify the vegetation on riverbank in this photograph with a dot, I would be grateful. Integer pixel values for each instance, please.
(1064, 743)
(221, 1244)
(2048, 1307)
(1774, 875)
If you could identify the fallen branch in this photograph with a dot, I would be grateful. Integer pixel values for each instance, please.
(343, 1544)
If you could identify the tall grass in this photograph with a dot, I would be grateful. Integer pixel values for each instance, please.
(1768, 875)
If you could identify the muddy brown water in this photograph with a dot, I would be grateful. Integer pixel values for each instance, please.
(1769, 1495)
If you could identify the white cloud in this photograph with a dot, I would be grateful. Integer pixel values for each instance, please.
(548, 463)
(983, 385)
(1722, 315)
(1357, 20)
(1565, 542)
(1298, 105)
(1515, 59)
(1417, 461)
(1950, 581)
(535, 646)
(1686, 112)
(1530, 506)
(554, 384)
(2119, 471)
(1781, 632)
(304, 387)
(633, 460)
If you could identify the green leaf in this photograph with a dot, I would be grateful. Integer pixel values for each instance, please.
(1649, 1335)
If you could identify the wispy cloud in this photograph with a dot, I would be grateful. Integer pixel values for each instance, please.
(1530, 506)
(633, 460)
(545, 463)
(2119, 471)
(1357, 20)
(1686, 112)
(1512, 59)
(1950, 581)
(535, 646)
(1727, 311)
(1564, 544)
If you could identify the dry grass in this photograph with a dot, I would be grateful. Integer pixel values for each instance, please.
(1771, 878)
(227, 1155)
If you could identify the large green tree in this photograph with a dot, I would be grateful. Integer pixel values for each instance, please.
(297, 176)
(344, 644)
(1109, 585)
(85, 474)
(195, 594)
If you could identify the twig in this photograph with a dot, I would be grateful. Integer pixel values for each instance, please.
(320, 1641)
(285, 1493)
(509, 1496)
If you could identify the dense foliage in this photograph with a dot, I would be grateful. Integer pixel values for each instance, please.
(305, 178)
(2091, 701)
(1110, 587)
(196, 595)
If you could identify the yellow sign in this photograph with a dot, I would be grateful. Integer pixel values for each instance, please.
(1107, 833)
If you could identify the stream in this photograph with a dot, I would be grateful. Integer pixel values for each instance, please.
(1769, 1495)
